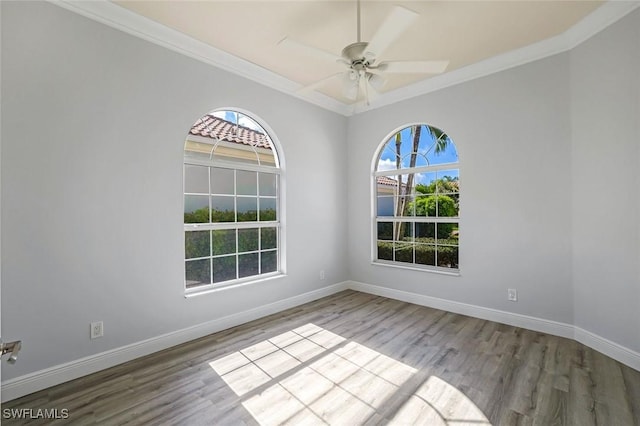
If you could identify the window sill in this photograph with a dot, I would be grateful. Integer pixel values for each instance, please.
(213, 288)
(433, 270)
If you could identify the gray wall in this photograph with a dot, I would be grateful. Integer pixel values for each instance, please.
(550, 171)
(605, 98)
(512, 132)
(94, 122)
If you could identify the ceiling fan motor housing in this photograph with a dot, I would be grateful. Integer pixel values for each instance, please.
(356, 56)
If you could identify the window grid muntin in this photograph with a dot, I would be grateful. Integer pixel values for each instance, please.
(413, 220)
(260, 251)
(210, 226)
(439, 169)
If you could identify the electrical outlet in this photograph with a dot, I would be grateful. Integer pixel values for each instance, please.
(512, 294)
(97, 330)
(322, 274)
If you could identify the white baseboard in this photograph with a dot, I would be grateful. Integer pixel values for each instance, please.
(609, 348)
(33, 382)
(614, 350)
(518, 320)
(38, 380)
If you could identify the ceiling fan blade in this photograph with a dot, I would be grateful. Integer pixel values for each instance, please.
(372, 90)
(394, 24)
(311, 51)
(350, 85)
(362, 87)
(414, 67)
(377, 81)
(315, 85)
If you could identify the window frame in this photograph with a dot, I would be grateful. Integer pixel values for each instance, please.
(393, 173)
(276, 169)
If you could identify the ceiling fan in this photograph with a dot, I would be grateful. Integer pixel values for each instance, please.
(365, 74)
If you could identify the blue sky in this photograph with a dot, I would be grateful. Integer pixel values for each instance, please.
(241, 119)
(388, 155)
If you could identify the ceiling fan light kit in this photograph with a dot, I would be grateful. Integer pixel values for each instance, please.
(364, 78)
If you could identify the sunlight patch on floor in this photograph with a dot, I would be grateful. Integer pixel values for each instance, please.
(310, 375)
(437, 403)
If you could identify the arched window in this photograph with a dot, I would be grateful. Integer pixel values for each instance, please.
(232, 196)
(416, 181)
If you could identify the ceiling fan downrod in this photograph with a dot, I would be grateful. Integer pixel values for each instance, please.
(359, 34)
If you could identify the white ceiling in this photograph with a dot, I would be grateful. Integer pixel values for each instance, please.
(243, 36)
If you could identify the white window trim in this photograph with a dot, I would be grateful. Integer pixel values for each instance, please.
(240, 282)
(408, 170)
(374, 218)
(280, 170)
(413, 267)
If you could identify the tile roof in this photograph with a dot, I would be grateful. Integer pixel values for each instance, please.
(384, 180)
(214, 127)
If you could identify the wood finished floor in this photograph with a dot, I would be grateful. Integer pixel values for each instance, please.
(354, 358)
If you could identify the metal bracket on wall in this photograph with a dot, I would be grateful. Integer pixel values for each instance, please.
(13, 348)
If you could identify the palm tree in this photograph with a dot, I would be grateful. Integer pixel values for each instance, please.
(440, 145)
(441, 140)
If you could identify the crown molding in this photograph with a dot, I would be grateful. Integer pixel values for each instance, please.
(124, 20)
(598, 20)
(129, 22)
(604, 16)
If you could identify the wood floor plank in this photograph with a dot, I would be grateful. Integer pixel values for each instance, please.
(632, 385)
(356, 359)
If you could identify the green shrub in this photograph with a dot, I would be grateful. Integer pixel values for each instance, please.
(403, 252)
(196, 244)
(385, 250)
(426, 206)
(267, 214)
(197, 216)
(425, 254)
(223, 241)
(448, 256)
